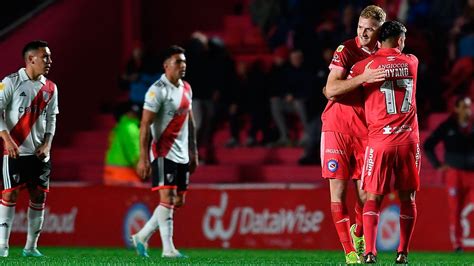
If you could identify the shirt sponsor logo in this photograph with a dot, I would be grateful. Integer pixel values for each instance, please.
(387, 130)
(333, 165)
(334, 151)
(370, 162)
(22, 93)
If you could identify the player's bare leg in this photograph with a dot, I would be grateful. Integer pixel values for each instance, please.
(35, 221)
(370, 222)
(7, 214)
(357, 230)
(340, 216)
(408, 216)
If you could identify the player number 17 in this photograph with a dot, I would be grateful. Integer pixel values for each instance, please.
(387, 88)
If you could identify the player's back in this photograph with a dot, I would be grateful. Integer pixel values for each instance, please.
(390, 106)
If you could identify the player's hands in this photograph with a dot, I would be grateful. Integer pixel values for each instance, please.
(333, 98)
(373, 75)
(42, 151)
(144, 169)
(193, 163)
(11, 147)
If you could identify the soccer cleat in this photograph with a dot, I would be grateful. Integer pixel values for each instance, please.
(140, 246)
(370, 258)
(34, 252)
(352, 258)
(175, 254)
(4, 252)
(358, 242)
(402, 258)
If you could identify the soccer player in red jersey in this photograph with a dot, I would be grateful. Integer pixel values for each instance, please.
(344, 131)
(393, 144)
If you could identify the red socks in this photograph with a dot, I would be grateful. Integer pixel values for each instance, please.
(407, 224)
(340, 217)
(370, 222)
(359, 220)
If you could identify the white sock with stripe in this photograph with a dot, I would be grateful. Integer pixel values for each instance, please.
(35, 224)
(165, 221)
(7, 214)
(150, 227)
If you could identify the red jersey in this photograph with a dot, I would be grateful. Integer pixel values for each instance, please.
(346, 115)
(390, 106)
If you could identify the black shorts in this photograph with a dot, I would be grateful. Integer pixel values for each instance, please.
(25, 171)
(167, 174)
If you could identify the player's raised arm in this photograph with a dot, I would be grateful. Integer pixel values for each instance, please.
(144, 166)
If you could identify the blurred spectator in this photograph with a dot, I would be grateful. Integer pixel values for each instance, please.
(139, 75)
(123, 151)
(297, 88)
(236, 104)
(316, 105)
(457, 136)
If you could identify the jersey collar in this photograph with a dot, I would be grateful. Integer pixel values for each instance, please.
(24, 76)
(388, 51)
(365, 49)
(165, 79)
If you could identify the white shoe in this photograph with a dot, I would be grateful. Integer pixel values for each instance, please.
(4, 252)
(175, 254)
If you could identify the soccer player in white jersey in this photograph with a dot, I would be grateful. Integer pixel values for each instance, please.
(29, 105)
(167, 115)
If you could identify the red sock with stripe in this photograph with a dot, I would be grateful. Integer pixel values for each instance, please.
(340, 217)
(408, 215)
(359, 209)
(371, 220)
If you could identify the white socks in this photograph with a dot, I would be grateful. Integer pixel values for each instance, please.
(7, 213)
(165, 221)
(35, 224)
(150, 227)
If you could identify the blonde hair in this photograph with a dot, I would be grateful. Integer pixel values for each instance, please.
(374, 12)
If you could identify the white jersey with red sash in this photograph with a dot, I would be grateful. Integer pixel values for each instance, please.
(170, 129)
(29, 109)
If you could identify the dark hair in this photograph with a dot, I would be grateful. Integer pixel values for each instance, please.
(32, 46)
(172, 50)
(391, 29)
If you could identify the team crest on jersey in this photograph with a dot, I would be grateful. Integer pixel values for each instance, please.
(333, 165)
(2, 86)
(340, 48)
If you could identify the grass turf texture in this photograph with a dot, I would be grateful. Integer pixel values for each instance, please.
(106, 256)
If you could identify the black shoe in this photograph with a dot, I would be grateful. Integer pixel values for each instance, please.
(458, 250)
(402, 258)
(370, 258)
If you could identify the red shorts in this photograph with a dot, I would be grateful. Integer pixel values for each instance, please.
(458, 182)
(342, 155)
(380, 161)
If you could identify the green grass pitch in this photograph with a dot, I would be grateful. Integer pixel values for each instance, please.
(114, 256)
